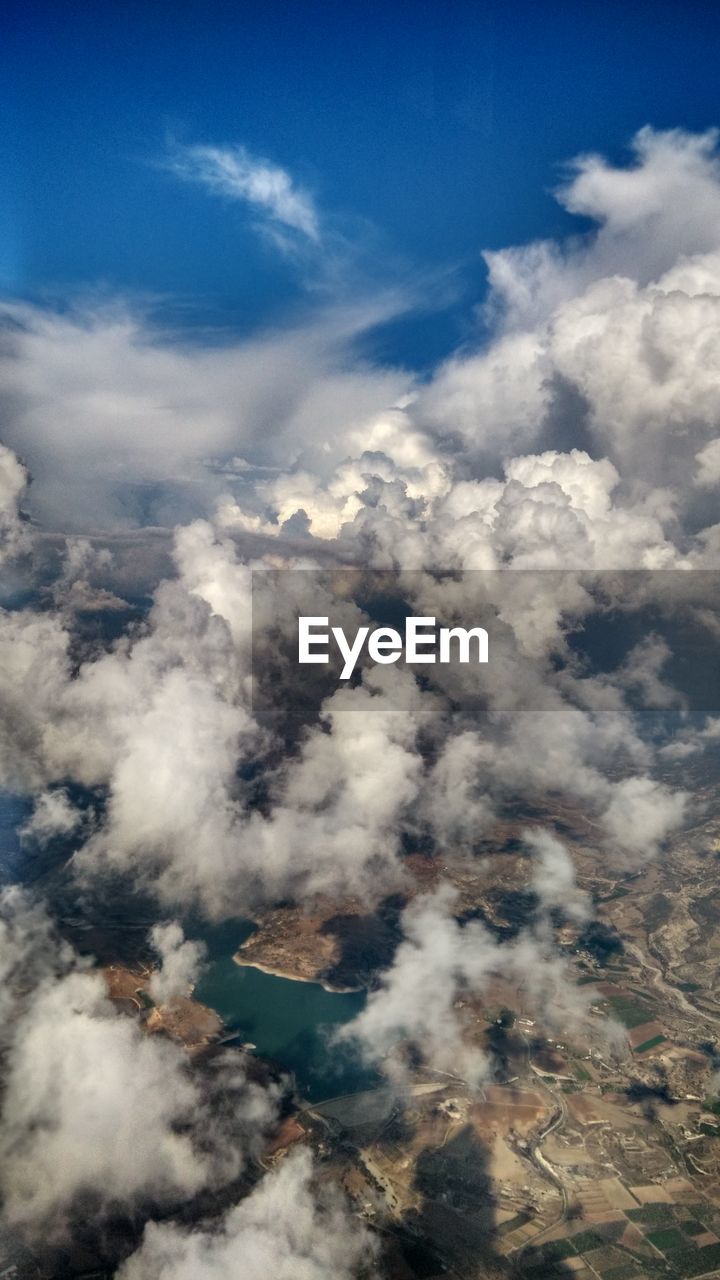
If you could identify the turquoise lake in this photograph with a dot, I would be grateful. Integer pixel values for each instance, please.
(289, 1022)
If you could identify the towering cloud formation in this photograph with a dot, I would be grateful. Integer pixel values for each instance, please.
(600, 350)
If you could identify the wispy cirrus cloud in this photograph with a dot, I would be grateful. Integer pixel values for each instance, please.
(232, 171)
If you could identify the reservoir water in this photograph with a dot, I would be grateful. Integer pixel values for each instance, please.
(290, 1022)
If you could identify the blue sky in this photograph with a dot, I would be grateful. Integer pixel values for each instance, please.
(421, 132)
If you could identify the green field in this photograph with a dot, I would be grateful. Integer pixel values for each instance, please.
(630, 1012)
(588, 1240)
(667, 1238)
(655, 1212)
(649, 1044)
(695, 1262)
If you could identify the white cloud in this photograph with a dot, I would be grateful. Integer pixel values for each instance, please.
(284, 1228)
(708, 460)
(117, 420)
(641, 814)
(553, 874)
(181, 962)
(14, 537)
(92, 1103)
(650, 214)
(440, 965)
(583, 434)
(30, 951)
(54, 815)
(234, 172)
(93, 1106)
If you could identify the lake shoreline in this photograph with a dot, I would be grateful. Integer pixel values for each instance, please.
(293, 977)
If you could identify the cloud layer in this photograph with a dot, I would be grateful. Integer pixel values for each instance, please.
(578, 435)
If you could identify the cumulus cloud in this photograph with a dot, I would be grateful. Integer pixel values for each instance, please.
(553, 874)
(708, 460)
(550, 510)
(180, 962)
(442, 962)
(92, 1106)
(642, 813)
(456, 801)
(162, 724)
(593, 397)
(54, 815)
(98, 1117)
(91, 1102)
(283, 1228)
(650, 214)
(234, 172)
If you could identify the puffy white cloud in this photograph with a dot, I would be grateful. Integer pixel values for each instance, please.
(98, 1117)
(551, 510)
(441, 960)
(436, 960)
(708, 459)
(553, 874)
(456, 802)
(284, 1228)
(650, 214)
(641, 814)
(54, 815)
(94, 1107)
(497, 399)
(91, 1102)
(162, 721)
(34, 651)
(181, 961)
(607, 343)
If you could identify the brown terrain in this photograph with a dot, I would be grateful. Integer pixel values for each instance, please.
(182, 1019)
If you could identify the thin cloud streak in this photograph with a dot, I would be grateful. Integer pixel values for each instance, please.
(232, 171)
